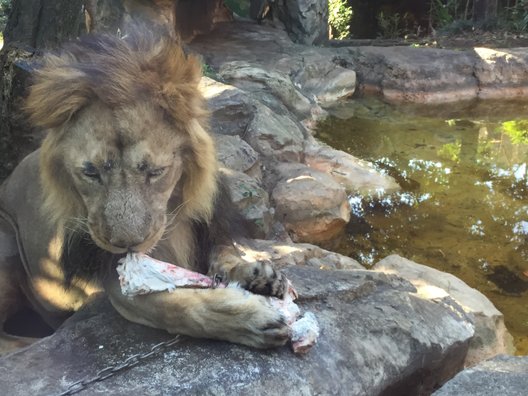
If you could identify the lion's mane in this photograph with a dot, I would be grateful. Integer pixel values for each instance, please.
(144, 66)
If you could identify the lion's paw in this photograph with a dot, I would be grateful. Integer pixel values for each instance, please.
(260, 278)
(262, 327)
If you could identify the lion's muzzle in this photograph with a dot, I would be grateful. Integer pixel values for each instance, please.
(126, 224)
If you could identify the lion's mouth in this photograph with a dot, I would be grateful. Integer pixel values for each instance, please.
(144, 247)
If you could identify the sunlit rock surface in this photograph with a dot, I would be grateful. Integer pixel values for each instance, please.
(502, 73)
(500, 376)
(254, 57)
(399, 74)
(491, 336)
(356, 175)
(308, 181)
(416, 75)
(249, 75)
(310, 204)
(377, 338)
(285, 253)
(230, 108)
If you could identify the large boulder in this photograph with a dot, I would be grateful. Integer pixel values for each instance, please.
(285, 253)
(234, 153)
(500, 376)
(251, 76)
(305, 20)
(357, 176)
(491, 336)
(231, 109)
(502, 73)
(326, 82)
(418, 75)
(377, 338)
(399, 74)
(262, 59)
(251, 201)
(311, 201)
(274, 136)
(311, 205)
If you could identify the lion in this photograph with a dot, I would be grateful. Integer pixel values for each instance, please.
(127, 165)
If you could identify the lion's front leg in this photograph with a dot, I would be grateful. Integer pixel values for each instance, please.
(11, 297)
(259, 277)
(224, 314)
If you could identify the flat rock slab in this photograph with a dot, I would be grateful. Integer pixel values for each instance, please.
(399, 74)
(500, 376)
(377, 338)
(491, 336)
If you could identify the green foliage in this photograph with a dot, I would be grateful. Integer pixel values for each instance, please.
(339, 15)
(457, 27)
(517, 131)
(5, 8)
(394, 25)
(451, 151)
(208, 71)
(516, 18)
(456, 16)
(239, 7)
(443, 12)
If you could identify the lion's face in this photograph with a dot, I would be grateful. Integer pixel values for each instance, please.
(127, 152)
(125, 165)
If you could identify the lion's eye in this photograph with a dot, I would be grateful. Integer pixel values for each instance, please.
(89, 170)
(153, 173)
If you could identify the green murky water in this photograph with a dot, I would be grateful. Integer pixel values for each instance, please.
(463, 207)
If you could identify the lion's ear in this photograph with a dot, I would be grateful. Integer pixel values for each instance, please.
(181, 74)
(58, 92)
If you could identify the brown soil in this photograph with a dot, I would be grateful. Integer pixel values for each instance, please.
(500, 39)
(477, 38)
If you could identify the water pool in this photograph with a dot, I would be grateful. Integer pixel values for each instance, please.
(463, 207)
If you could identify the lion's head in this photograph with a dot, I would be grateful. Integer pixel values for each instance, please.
(126, 144)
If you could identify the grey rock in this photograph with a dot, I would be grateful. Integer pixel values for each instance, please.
(376, 338)
(314, 206)
(275, 136)
(491, 336)
(260, 59)
(421, 75)
(286, 253)
(234, 153)
(354, 174)
(231, 109)
(325, 82)
(500, 376)
(305, 20)
(278, 83)
(251, 200)
(310, 204)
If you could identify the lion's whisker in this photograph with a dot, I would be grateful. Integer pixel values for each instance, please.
(170, 224)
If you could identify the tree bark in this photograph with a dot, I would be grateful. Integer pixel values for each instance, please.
(484, 10)
(33, 26)
(104, 15)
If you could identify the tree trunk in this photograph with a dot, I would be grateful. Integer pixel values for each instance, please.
(43, 23)
(33, 25)
(484, 10)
